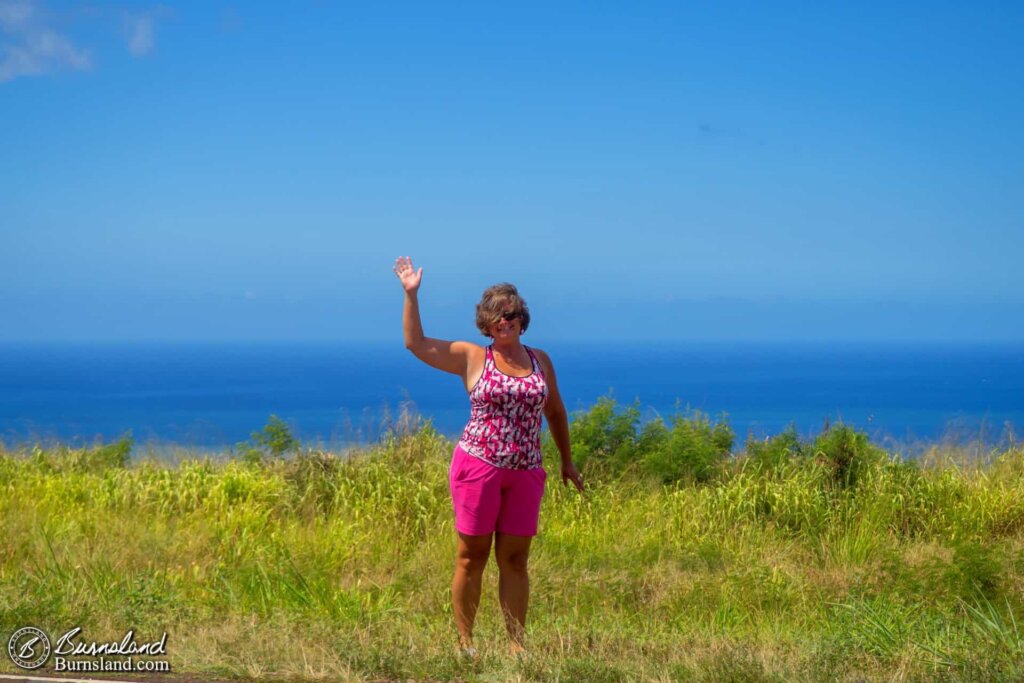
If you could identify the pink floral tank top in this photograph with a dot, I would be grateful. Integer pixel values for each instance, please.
(505, 416)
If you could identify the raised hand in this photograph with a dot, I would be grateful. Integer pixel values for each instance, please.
(409, 276)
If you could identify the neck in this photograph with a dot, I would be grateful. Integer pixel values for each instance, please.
(509, 348)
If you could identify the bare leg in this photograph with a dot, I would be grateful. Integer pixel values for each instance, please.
(470, 560)
(512, 554)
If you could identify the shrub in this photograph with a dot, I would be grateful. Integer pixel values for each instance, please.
(770, 454)
(604, 437)
(274, 440)
(96, 459)
(847, 453)
(605, 440)
(108, 456)
(692, 449)
(275, 437)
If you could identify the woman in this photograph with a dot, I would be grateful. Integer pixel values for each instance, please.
(496, 474)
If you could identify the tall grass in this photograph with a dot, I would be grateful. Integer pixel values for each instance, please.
(686, 559)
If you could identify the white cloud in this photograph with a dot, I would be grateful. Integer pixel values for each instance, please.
(140, 29)
(30, 48)
(31, 43)
(140, 35)
(14, 14)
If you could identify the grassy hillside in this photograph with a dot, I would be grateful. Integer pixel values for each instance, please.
(689, 558)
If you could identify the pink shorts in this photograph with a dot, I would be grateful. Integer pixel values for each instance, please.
(487, 498)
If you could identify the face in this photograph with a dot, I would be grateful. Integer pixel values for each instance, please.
(507, 329)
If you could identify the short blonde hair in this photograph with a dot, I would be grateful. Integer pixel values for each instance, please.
(494, 302)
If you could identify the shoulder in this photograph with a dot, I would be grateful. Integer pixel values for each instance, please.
(543, 358)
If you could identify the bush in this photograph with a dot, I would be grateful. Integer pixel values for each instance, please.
(274, 440)
(275, 437)
(847, 454)
(772, 453)
(692, 450)
(96, 459)
(605, 440)
(602, 437)
(107, 456)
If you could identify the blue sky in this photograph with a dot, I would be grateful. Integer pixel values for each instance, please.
(663, 171)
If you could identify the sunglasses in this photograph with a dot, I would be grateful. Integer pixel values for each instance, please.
(511, 315)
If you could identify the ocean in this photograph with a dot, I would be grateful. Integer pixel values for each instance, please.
(208, 396)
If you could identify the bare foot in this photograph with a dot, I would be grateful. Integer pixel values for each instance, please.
(466, 649)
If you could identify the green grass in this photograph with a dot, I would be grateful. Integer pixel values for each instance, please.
(684, 561)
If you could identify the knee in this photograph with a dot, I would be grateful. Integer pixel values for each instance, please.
(513, 562)
(471, 562)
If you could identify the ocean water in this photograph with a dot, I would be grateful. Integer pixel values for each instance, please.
(212, 395)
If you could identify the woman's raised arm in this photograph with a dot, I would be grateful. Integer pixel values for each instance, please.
(450, 356)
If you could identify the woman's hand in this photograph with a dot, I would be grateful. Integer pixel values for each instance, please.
(570, 473)
(409, 276)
